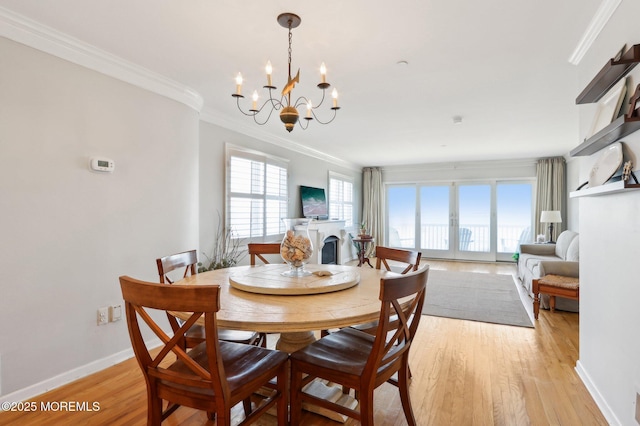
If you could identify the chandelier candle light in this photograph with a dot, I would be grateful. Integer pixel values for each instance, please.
(288, 110)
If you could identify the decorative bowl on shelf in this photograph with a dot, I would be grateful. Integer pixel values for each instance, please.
(296, 248)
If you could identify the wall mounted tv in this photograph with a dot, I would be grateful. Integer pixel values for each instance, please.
(314, 202)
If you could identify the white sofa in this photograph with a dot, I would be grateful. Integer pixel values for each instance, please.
(561, 258)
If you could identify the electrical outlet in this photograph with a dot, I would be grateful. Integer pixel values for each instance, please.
(115, 313)
(103, 315)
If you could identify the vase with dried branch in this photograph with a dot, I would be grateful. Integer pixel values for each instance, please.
(226, 250)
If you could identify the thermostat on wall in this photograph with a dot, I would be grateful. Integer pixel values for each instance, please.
(101, 164)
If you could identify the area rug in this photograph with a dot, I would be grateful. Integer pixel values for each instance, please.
(476, 297)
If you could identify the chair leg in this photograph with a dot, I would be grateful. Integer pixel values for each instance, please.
(283, 404)
(403, 387)
(154, 410)
(246, 404)
(262, 340)
(296, 400)
(366, 407)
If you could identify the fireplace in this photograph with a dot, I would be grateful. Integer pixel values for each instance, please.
(330, 250)
(329, 232)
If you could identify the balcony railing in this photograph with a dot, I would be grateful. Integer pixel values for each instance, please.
(473, 237)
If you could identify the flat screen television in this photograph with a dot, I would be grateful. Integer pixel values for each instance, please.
(314, 202)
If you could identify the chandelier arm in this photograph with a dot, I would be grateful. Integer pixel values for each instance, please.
(255, 116)
(303, 100)
(248, 114)
(275, 103)
(324, 91)
(305, 125)
(335, 113)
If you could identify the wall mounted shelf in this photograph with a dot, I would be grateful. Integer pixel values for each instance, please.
(618, 129)
(609, 188)
(609, 75)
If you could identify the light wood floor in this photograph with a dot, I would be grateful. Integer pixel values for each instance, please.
(464, 373)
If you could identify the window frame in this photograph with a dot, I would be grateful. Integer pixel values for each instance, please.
(349, 221)
(266, 160)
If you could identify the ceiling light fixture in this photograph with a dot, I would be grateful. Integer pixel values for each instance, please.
(288, 110)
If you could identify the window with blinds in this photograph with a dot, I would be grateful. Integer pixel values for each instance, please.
(341, 198)
(257, 194)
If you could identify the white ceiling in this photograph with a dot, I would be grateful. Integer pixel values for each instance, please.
(502, 65)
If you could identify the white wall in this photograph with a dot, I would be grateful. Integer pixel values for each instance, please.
(609, 234)
(68, 233)
(303, 170)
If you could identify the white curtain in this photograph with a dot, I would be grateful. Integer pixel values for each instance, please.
(550, 192)
(373, 205)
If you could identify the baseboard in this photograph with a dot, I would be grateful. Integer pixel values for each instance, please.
(597, 396)
(71, 375)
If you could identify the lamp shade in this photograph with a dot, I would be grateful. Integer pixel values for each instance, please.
(550, 216)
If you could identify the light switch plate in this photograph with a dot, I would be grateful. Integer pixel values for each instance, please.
(103, 315)
(115, 313)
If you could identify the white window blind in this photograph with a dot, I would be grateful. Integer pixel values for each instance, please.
(257, 194)
(341, 198)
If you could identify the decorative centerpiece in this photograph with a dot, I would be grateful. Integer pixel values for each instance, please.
(296, 248)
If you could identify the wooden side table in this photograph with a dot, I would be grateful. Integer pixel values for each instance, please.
(554, 285)
(362, 243)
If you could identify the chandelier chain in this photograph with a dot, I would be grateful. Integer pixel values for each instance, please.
(290, 39)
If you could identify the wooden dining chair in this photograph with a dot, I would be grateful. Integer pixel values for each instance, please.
(361, 361)
(409, 258)
(195, 335)
(257, 250)
(214, 375)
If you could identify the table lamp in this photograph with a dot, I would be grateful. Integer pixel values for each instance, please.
(550, 217)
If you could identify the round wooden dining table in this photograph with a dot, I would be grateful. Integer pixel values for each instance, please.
(295, 316)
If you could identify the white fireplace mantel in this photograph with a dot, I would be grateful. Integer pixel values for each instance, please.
(319, 230)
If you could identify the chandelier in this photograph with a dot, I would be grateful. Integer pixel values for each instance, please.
(288, 110)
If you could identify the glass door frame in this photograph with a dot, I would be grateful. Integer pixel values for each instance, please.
(485, 256)
(453, 252)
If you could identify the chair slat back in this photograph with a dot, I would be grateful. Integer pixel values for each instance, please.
(258, 249)
(186, 259)
(397, 326)
(141, 297)
(410, 257)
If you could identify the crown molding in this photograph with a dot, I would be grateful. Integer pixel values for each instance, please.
(23, 30)
(210, 116)
(599, 20)
(33, 34)
(465, 165)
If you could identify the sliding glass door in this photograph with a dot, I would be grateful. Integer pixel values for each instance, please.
(473, 221)
(468, 221)
(401, 214)
(514, 216)
(435, 220)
